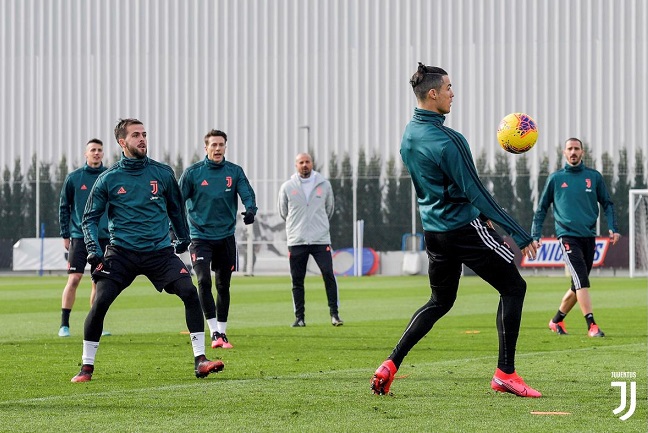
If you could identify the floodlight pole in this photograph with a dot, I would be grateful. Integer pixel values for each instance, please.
(307, 128)
(39, 129)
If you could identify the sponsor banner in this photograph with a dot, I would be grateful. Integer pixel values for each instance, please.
(35, 254)
(550, 254)
(343, 261)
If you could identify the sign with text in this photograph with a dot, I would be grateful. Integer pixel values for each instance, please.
(550, 255)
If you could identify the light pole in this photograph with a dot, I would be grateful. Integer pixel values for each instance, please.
(307, 128)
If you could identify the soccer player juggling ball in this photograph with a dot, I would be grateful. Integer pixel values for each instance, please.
(456, 210)
(142, 197)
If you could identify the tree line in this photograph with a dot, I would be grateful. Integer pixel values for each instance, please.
(383, 198)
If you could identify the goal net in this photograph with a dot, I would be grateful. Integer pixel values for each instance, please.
(638, 214)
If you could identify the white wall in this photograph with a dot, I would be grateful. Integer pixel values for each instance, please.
(261, 70)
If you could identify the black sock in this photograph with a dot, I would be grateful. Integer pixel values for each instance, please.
(559, 317)
(65, 316)
(589, 318)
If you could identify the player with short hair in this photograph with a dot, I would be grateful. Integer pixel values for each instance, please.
(456, 210)
(141, 197)
(306, 203)
(210, 189)
(74, 194)
(575, 192)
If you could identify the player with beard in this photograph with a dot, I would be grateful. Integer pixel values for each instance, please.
(575, 192)
(141, 196)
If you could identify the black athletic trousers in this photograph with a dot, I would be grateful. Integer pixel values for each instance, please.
(298, 258)
(482, 250)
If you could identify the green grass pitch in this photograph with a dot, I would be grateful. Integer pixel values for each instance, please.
(316, 379)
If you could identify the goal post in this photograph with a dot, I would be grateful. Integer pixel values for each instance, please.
(638, 215)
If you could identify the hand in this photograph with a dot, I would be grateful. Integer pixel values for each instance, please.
(530, 250)
(180, 246)
(614, 237)
(94, 259)
(248, 217)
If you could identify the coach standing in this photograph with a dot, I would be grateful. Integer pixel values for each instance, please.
(306, 203)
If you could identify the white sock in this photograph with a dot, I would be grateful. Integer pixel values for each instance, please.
(222, 327)
(89, 352)
(213, 326)
(198, 343)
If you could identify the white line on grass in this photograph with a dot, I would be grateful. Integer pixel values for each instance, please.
(201, 383)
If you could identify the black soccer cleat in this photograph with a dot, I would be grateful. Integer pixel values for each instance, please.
(205, 367)
(85, 375)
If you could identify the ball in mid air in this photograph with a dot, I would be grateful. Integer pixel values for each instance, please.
(517, 133)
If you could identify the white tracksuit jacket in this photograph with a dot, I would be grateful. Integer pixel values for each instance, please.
(307, 221)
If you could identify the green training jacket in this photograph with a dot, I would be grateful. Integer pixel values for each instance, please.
(575, 193)
(72, 200)
(142, 197)
(211, 192)
(450, 193)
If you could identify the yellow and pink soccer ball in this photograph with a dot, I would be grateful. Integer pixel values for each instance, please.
(517, 133)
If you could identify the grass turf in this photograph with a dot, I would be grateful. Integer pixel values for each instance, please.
(316, 378)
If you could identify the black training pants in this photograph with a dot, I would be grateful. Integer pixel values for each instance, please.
(483, 250)
(298, 258)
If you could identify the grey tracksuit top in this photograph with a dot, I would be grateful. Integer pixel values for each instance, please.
(307, 220)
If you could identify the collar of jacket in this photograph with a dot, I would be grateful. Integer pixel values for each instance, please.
(428, 116)
(93, 169)
(214, 165)
(574, 169)
(133, 164)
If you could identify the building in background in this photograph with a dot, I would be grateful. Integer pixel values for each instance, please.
(283, 76)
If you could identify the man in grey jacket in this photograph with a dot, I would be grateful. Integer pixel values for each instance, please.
(306, 204)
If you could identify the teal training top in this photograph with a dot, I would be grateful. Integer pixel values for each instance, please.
(450, 193)
(74, 194)
(142, 196)
(575, 193)
(211, 192)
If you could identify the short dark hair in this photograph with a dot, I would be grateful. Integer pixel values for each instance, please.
(215, 133)
(575, 139)
(426, 78)
(95, 141)
(122, 124)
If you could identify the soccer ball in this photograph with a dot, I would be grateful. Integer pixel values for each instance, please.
(517, 133)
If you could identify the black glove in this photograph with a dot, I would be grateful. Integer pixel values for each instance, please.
(180, 246)
(248, 217)
(94, 259)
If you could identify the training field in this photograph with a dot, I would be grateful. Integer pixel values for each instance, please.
(316, 379)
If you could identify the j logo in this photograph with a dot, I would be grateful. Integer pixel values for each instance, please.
(633, 399)
(154, 187)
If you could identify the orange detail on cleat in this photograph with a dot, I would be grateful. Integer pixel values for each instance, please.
(220, 340)
(594, 331)
(85, 375)
(383, 377)
(512, 383)
(559, 328)
(206, 367)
